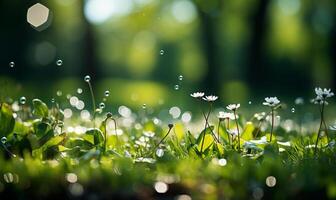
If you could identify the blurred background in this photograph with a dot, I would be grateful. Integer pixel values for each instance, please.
(156, 52)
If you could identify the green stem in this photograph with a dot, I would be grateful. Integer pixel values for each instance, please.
(205, 126)
(319, 130)
(272, 124)
(234, 112)
(93, 104)
(219, 123)
(156, 146)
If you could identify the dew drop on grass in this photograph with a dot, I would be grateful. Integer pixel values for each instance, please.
(3, 140)
(107, 93)
(23, 100)
(102, 105)
(87, 78)
(11, 64)
(293, 110)
(162, 52)
(176, 87)
(79, 90)
(180, 77)
(59, 63)
(159, 152)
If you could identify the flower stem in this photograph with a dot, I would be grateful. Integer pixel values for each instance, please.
(157, 145)
(272, 124)
(319, 130)
(234, 112)
(205, 126)
(93, 104)
(219, 123)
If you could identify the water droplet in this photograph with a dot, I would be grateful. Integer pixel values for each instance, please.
(3, 140)
(162, 52)
(59, 62)
(144, 106)
(159, 152)
(87, 78)
(250, 102)
(293, 110)
(102, 105)
(79, 90)
(52, 100)
(11, 64)
(176, 87)
(23, 100)
(107, 93)
(59, 93)
(180, 77)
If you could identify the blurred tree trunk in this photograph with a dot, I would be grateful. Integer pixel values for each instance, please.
(89, 50)
(332, 52)
(256, 68)
(208, 21)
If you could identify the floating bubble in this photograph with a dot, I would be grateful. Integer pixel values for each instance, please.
(107, 93)
(79, 90)
(162, 52)
(222, 162)
(293, 110)
(59, 93)
(271, 181)
(186, 117)
(59, 62)
(3, 140)
(102, 105)
(11, 64)
(161, 187)
(67, 113)
(180, 77)
(80, 105)
(23, 100)
(71, 177)
(76, 189)
(38, 16)
(87, 78)
(176, 87)
(159, 152)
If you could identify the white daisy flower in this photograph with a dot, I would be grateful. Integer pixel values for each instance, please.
(324, 93)
(318, 100)
(233, 107)
(226, 115)
(197, 94)
(260, 116)
(210, 98)
(271, 101)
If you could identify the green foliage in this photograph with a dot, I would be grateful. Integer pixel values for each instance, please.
(40, 150)
(7, 121)
(40, 108)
